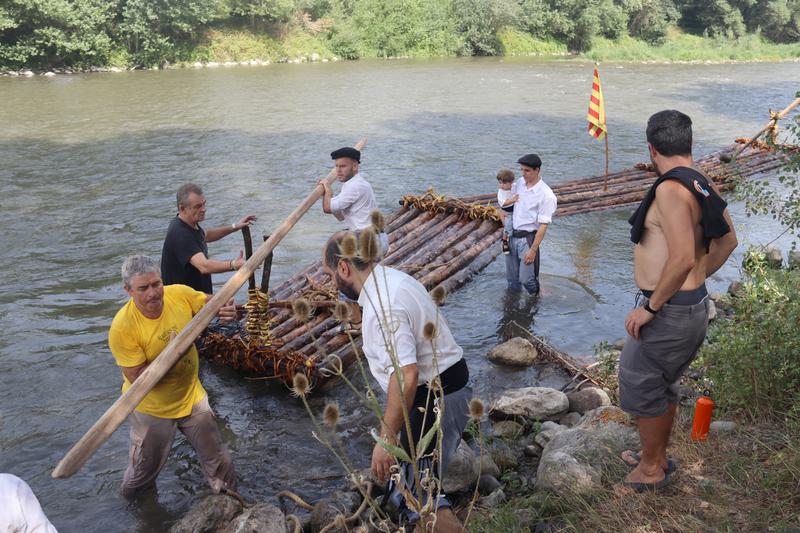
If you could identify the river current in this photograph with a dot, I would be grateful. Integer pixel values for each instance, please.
(89, 165)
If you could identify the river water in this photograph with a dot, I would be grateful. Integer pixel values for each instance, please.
(88, 169)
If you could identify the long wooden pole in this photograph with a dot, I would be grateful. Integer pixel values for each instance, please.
(727, 158)
(126, 403)
(605, 177)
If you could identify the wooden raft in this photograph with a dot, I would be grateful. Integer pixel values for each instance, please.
(438, 241)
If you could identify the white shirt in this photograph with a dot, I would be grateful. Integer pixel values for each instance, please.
(20, 511)
(503, 195)
(355, 202)
(395, 310)
(536, 205)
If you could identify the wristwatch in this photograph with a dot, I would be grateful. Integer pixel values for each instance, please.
(650, 309)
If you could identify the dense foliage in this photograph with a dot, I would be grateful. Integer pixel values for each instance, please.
(55, 33)
(752, 357)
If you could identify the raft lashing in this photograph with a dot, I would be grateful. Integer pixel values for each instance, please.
(437, 240)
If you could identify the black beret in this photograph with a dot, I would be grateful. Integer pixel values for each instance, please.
(352, 153)
(530, 160)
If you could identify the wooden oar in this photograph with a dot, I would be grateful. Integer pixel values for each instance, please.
(126, 403)
(727, 158)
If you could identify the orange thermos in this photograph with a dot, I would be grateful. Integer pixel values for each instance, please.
(702, 416)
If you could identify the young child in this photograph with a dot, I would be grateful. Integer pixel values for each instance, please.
(506, 198)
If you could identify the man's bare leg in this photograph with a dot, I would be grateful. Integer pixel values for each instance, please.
(654, 433)
(628, 455)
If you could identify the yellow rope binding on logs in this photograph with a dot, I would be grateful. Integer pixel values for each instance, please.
(435, 203)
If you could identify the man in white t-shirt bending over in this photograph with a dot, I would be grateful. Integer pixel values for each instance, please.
(533, 212)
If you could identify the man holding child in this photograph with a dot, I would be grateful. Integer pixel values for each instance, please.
(534, 204)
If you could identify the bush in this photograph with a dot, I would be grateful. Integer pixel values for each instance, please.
(517, 43)
(752, 357)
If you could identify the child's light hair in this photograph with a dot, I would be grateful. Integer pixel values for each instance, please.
(505, 176)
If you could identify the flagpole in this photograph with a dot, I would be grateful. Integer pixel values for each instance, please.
(605, 178)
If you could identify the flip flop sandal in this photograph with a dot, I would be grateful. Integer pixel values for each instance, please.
(670, 463)
(647, 487)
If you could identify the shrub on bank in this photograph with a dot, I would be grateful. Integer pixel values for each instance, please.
(752, 357)
(518, 43)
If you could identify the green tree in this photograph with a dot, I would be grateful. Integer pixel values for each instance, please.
(779, 20)
(478, 22)
(153, 29)
(716, 18)
(263, 10)
(649, 20)
(55, 33)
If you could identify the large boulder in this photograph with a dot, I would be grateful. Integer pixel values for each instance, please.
(538, 403)
(260, 518)
(574, 459)
(587, 399)
(514, 352)
(212, 513)
(507, 429)
(462, 472)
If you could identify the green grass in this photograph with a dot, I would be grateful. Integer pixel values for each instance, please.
(681, 46)
(517, 43)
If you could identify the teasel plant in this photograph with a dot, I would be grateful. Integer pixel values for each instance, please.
(366, 248)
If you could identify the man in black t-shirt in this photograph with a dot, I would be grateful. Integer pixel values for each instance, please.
(184, 258)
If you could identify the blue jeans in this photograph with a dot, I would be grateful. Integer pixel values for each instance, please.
(519, 274)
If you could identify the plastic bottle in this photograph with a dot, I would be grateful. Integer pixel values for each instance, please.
(702, 416)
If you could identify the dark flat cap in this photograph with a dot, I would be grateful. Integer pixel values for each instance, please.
(352, 153)
(530, 160)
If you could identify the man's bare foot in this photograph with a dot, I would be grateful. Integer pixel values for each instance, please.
(632, 458)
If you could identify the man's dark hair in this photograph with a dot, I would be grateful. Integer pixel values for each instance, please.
(670, 133)
(182, 196)
(333, 252)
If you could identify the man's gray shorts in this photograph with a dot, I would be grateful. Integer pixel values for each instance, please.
(651, 367)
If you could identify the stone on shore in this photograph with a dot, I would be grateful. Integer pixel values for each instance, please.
(488, 466)
(462, 472)
(538, 403)
(722, 426)
(570, 419)
(260, 518)
(327, 509)
(587, 399)
(793, 259)
(514, 352)
(506, 429)
(574, 459)
(212, 513)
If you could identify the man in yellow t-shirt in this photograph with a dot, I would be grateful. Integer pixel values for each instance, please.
(138, 334)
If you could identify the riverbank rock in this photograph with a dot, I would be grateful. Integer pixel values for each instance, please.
(574, 460)
(327, 509)
(793, 259)
(260, 518)
(506, 429)
(570, 419)
(514, 352)
(210, 514)
(462, 472)
(488, 466)
(722, 426)
(538, 403)
(587, 399)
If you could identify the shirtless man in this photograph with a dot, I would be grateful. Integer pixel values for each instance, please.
(683, 234)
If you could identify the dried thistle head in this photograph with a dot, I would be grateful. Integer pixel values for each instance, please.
(476, 409)
(348, 248)
(378, 222)
(341, 312)
(331, 414)
(302, 309)
(368, 245)
(300, 385)
(439, 295)
(429, 331)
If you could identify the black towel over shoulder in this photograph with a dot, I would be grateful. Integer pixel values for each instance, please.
(711, 204)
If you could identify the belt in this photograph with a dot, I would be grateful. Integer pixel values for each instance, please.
(691, 297)
(521, 233)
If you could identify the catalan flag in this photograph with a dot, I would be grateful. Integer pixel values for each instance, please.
(597, 111)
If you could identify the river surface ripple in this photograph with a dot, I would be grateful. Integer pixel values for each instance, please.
(89, 168)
